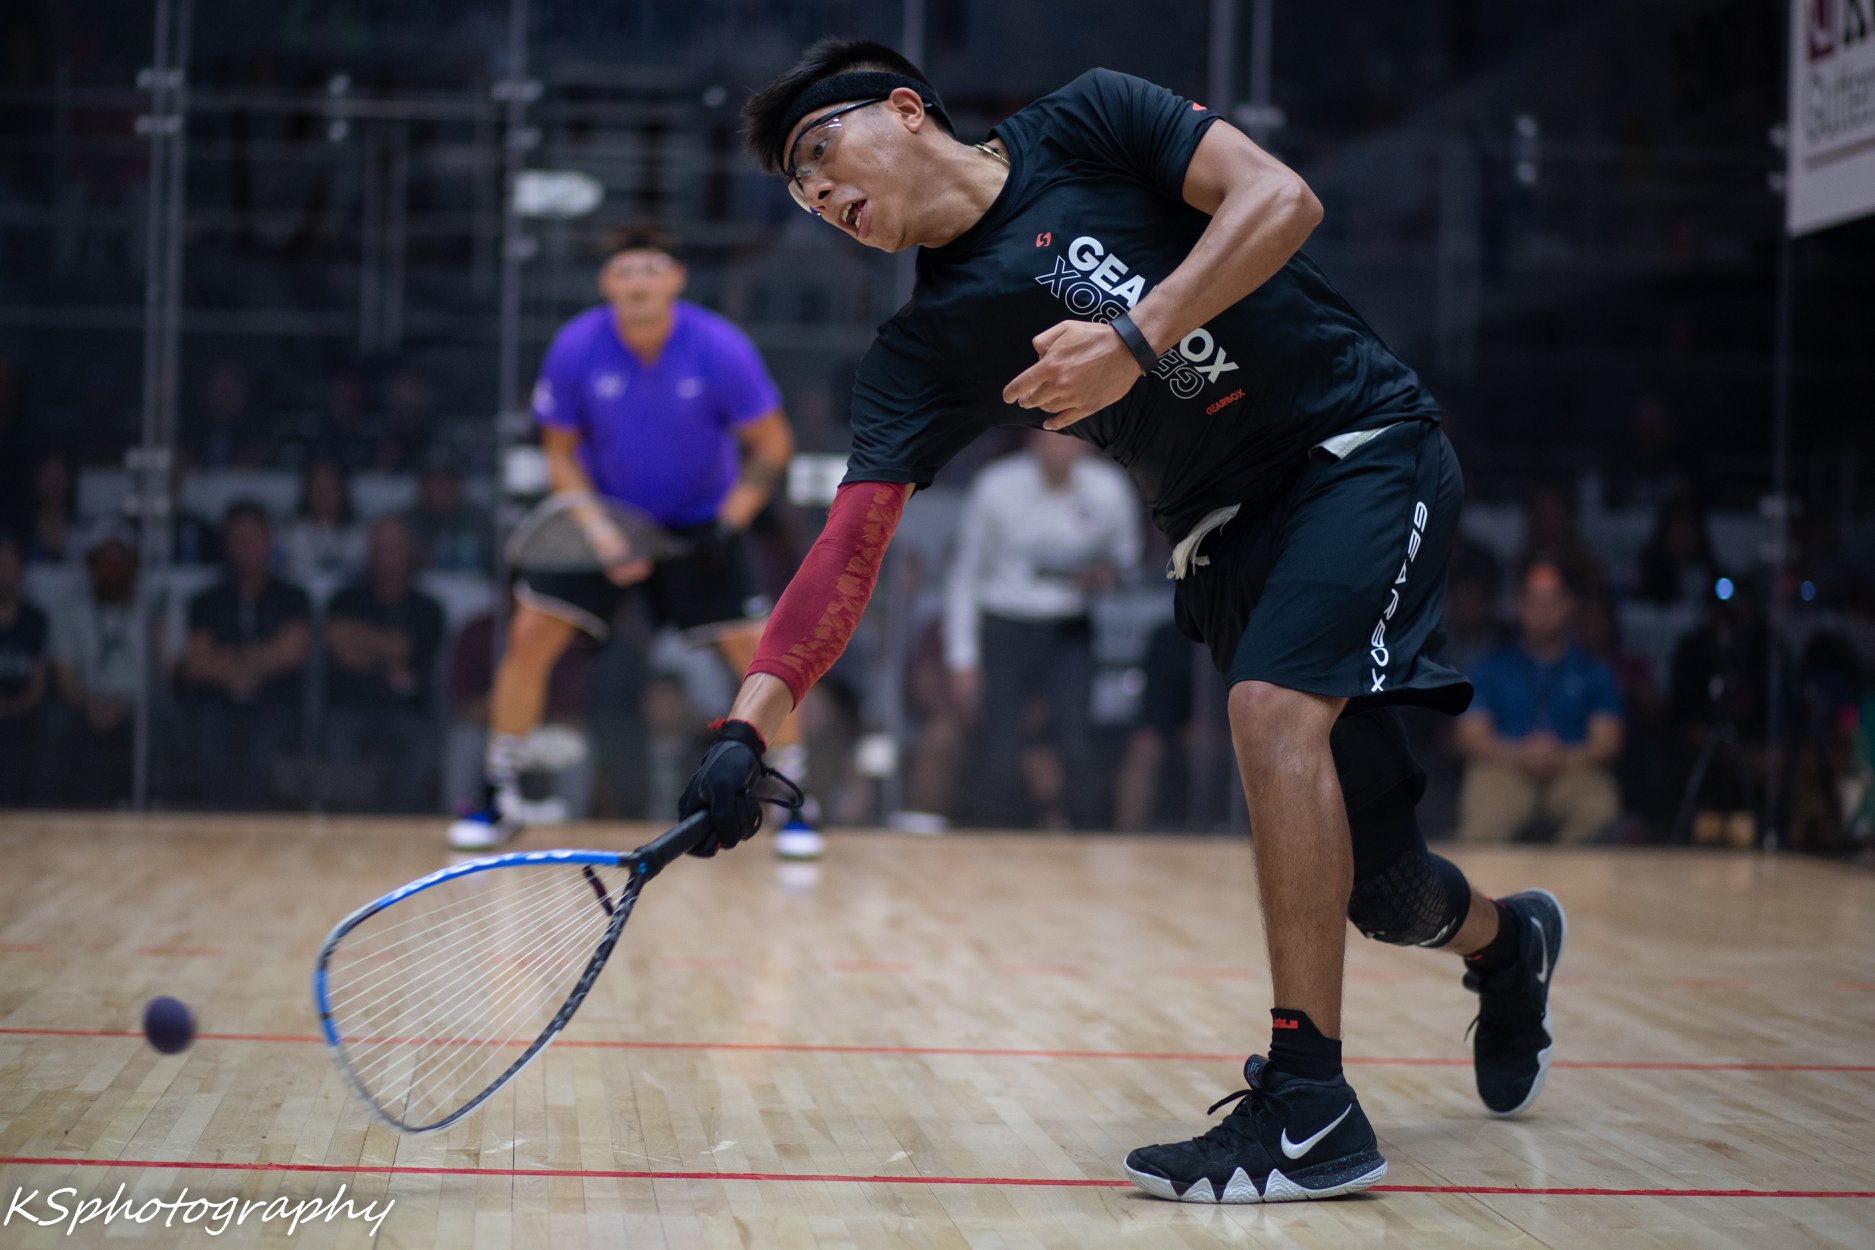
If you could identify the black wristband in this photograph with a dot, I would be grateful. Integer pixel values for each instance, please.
(1135, 343)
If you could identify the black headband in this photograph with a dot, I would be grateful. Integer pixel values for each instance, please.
(855, 85)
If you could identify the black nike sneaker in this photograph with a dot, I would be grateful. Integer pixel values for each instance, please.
(1286, 1139)
(1511, 1045)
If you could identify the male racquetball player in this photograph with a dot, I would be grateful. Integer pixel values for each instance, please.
(1122, 264)
(663, 405)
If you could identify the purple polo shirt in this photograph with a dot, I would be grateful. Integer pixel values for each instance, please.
(660, 436)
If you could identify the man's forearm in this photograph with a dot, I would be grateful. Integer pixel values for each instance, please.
(1251, 236)
(751, 492)
(764, 702)
(818, 612)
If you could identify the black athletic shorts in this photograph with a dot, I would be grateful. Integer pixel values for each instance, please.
(696, 593)
(1340, 590)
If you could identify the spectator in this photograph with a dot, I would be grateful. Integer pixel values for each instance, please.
(383, 636)
(1677, 565)
(1042, 532)
(324, 540)
(100, 647)
(1155, 744)
(1553, 536)
(244, 668)
(1545, 729)
(226, 434)
(450, 532)
(23, 638)
(54, 509)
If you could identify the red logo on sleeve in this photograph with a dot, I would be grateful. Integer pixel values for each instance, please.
(1044, 238)
(1197, 107)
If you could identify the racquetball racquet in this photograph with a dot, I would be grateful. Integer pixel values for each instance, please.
(585, 533)
(438, 994)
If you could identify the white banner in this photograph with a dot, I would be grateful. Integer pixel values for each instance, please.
(1832, 113)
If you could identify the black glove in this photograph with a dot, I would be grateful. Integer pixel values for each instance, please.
(724, 786)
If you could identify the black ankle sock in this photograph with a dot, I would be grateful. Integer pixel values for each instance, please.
(1297, 1047)
(1502, 950)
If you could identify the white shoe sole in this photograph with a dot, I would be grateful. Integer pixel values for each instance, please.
(1242, 1190)
(800, 844)
(477, 835)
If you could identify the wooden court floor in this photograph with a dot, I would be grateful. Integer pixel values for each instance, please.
(932, 1043)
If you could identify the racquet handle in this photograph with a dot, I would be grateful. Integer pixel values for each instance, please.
(653, 856)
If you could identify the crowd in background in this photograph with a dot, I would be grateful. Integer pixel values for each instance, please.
(307, 662)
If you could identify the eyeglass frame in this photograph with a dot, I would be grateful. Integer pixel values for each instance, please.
(793, 173)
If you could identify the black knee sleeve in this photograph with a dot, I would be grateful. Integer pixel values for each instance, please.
(1403, 893)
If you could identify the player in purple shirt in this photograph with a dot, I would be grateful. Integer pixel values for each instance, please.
(668, 407)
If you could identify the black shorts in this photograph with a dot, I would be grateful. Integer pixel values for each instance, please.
(697, 594)
(1340, 590)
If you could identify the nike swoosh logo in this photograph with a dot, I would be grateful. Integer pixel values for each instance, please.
(1542, 970)
(1295, 1150)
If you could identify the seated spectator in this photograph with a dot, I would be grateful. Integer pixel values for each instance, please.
(1543, 734)
(1677, 565)
(101, 649)
(54, 511)
(324, 540)
(1042, 532)
(243, 672)
(1552, 535)
(23, 639)
(383, 636)
(450, 532)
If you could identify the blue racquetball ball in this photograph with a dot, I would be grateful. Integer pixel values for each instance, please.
(169, 1025)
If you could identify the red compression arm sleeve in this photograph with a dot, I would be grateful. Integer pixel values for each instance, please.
(818, 612)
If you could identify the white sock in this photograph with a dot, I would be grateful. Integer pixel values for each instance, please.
(790, 761)
(501, 763)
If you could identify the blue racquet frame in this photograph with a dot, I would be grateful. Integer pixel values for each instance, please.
(643, 864)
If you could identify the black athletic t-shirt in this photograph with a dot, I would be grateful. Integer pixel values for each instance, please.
(416, 615)
(1089, 220)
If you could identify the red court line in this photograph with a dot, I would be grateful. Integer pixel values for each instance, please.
(995, 1052)
(349, 1169)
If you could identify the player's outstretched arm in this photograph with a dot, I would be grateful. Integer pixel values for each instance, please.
(811, 625)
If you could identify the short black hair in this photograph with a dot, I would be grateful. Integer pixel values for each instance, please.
(765, 120)
(643, 236)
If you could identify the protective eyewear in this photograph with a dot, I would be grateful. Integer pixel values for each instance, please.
(811, 149)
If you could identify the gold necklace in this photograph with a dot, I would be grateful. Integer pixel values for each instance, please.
(984, 147)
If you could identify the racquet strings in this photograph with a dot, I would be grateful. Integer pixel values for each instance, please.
(436, 996)
(558, 536)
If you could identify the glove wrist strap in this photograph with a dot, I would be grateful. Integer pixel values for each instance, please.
(740, 731)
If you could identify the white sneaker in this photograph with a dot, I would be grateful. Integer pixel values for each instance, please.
(799, 840)
(485, 830)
